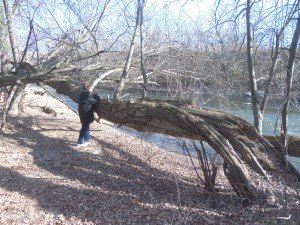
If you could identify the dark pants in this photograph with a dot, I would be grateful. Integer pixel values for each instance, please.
(84, 135)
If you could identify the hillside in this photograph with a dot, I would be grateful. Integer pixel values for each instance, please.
(118, 179)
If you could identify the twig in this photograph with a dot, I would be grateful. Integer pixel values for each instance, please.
(194, 166)
(285, 218)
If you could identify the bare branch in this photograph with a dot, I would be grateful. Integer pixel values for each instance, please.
(27, 42)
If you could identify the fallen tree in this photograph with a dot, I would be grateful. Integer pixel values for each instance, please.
(252, 165)
(250, 161)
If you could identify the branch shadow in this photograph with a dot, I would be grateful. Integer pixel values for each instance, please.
(112, 183)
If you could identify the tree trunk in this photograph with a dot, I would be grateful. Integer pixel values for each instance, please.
(271, 74)
(257, 115)
(247, 155)
(10, 27)
(289, 84)
(143, 70)
(129, 58)
(14, 106)
(12, 92)
(238, 143)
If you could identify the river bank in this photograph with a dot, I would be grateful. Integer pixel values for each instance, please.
(118, 179)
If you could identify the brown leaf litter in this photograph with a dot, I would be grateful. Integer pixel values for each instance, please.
(118, 179)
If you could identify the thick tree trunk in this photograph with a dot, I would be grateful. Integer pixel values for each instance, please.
(238, 143)
(248, 156)
(14, 106)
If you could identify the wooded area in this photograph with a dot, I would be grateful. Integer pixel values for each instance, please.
(81, 51)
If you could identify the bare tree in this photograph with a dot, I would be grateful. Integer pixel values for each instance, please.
(257, 115)
(127, 66)
(141, 6)
(68, 57)
(289, 82)
(9, 15)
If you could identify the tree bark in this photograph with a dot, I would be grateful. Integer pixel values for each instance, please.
(143, 70)
(12, 92)
(236, 141)
(10, 27)
(289, 84)
(271, 75)
(9, 15)
(247, 155)
(129, 57)
(14, 106)
(257, 115)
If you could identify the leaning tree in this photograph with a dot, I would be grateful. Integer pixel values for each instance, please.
(250, 161)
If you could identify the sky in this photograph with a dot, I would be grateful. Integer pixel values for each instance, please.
(188, 8)
(183, 9)
(164, 16)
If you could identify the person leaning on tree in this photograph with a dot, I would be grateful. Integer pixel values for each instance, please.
(86, 105)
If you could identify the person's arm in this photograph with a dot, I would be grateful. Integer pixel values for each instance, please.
(96, 96)
(92, 99)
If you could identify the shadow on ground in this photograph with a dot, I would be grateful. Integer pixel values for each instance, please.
(117, 190)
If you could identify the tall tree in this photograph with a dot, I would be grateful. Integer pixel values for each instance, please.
(141, 6)
(257, 115)
(289, 82)
(276, 49)
(127, 66)
(9, 11)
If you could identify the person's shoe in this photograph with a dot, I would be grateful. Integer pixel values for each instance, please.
(83, 144)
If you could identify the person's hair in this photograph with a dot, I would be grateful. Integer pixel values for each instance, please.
(86, 86)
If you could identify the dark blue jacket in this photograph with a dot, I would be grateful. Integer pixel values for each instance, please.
(86, 104)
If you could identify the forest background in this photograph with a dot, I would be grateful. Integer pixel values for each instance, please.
(242, 48)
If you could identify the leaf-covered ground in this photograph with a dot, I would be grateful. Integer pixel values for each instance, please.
(118, 179)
